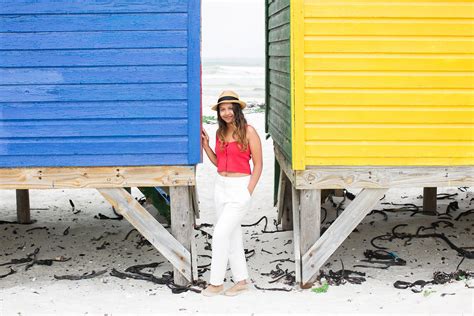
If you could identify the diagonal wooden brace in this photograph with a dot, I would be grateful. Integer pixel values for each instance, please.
(151, 229)
(334, 236)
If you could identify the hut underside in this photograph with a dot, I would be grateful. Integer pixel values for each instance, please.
(178, 247)
(304, 200)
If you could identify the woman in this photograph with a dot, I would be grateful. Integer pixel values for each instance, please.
(236, 143)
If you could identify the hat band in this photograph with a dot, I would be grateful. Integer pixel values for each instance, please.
(227, 98)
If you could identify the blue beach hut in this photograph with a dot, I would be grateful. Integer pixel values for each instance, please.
(104, 94)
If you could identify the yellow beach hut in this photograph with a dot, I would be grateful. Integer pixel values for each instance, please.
(366, 94)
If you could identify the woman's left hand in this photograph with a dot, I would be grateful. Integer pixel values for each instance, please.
(250, 191)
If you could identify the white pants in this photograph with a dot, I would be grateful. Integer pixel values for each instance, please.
(232, 201)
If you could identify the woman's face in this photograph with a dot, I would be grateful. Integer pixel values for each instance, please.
(226, 111)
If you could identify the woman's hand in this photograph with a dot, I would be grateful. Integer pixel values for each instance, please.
(250, 190)
(205, 138)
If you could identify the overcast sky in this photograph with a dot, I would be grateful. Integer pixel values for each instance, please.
(233, 29)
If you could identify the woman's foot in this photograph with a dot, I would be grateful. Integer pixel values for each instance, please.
(238, 288)
(213, 290)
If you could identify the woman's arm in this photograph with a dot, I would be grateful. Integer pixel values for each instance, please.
(257, 159)
(205, 144)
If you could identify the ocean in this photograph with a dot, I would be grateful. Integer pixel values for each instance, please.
(244, 76)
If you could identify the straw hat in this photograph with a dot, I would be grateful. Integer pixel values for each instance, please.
(230, 97)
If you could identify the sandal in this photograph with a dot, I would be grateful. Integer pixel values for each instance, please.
(208, 292)
(236, 289)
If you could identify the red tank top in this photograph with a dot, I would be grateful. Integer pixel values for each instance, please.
(231, 159)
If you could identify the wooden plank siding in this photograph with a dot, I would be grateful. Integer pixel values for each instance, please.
(384, 83)
(99, 83)
(278, 82)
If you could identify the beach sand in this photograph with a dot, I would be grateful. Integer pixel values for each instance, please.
(35, 291)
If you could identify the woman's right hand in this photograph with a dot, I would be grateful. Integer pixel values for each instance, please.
(205, 138)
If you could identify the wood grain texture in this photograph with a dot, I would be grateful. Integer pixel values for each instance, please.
(297, 234)
(310, 222)
(334, 236)
(329, 177)
(151, 229)
(96, 177)
(182, 228)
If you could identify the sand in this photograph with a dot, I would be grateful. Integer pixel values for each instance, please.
(35, 291)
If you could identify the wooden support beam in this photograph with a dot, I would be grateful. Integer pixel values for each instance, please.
(96, 177)
(284, 204)
(194, 197)
(332, 177)
(281, 195)
(182, 219)
(149, 227)
(429, 200)
(317, 255)
(23, 207)
(287, 215)
(310, 219)
(296, 233)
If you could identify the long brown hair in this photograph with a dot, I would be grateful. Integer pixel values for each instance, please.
(240, 132)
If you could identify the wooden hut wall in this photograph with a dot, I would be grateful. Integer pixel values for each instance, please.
(278, 83)
(99, 83)
(382, 83)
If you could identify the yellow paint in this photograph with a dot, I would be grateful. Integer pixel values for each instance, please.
(297, 81)
(382, 83)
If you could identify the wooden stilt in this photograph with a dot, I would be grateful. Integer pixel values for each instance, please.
(182, 219)
(193, 196)
(429, 200)
(280, 195)
(23, 206)
(287, 216)
(310, 219)
(315, 257)
(151, 229)
(284, 204)
(296, 233)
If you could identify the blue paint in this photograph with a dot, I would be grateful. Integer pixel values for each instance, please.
(142, 145)
(94, 75)
(93, 22)
(97, 6)
(93, 127)
(94, 58)
(93, 110)
(94, 40)
(93, 92)
(99, 83)
(194, 90)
